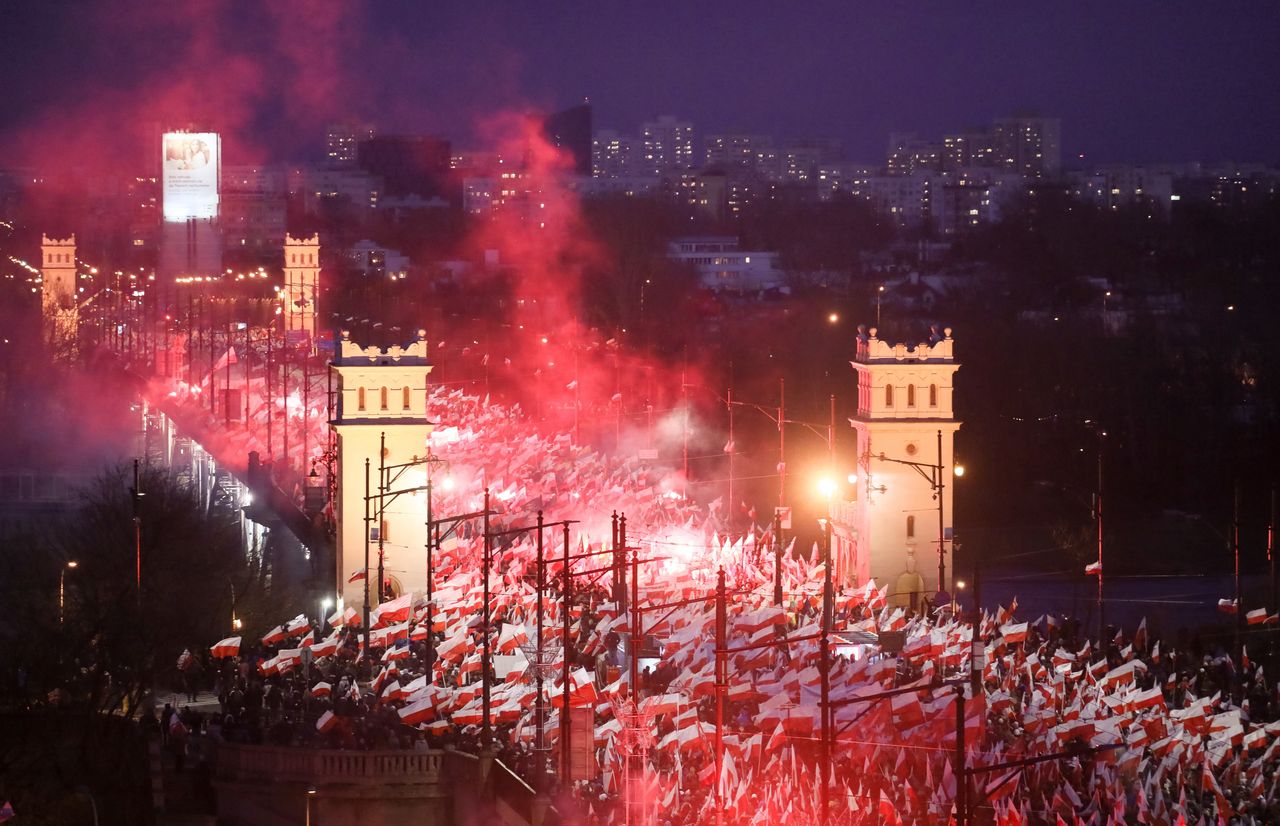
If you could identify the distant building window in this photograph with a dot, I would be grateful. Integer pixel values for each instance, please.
(385, 536)
(911, 527)
(405, 399)
(933, 395)
(382, 398)
(888, 395)
(360, 398)
(911, 395)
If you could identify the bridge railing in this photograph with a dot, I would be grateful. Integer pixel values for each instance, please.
(294, 765)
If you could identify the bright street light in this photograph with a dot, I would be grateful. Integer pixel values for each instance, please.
(62, 589)
(959, 470)
(827, 487)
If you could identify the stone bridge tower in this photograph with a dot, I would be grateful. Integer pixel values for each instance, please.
(906, 429)
(301, 286)
(380, 393)
(58, 297)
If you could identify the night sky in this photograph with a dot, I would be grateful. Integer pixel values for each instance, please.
(1132, 81)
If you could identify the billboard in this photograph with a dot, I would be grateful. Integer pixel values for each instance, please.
(189, 170)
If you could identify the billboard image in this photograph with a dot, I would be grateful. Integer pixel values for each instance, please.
(190, 175)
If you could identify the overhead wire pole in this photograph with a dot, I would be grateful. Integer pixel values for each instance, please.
(486, 737)
(381, 517)
(1102, 626)
(777, 557)
(539, 710)
(731, 448)
(942, 531)
(136, 496)
(824, 653)
(722, 687)
(1235, 550)
(566, 596)
(1271, 547)
(782, 443)
(368, 522)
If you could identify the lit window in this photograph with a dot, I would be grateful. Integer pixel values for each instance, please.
(405, 399)
(933, 395)
(911, 395)
(360, 398)
(888, 395)
(382, 398)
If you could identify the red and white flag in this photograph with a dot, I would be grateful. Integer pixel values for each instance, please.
(1014, 633)
(360, 574)
(274, 636)
(297, 626)
(326, 722)
(1227, 606)
(1093, 568)
(229, 647)
(1260, 617)
(321, 690)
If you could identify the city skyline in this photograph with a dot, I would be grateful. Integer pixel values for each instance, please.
(1142, 84)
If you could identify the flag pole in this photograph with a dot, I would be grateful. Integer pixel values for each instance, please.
(564, 707)
(487, 732)
(539, 742)
(722, 684)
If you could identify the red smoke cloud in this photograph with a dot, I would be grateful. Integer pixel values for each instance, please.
(217, 66)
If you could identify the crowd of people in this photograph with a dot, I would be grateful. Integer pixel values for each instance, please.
(1120, 726)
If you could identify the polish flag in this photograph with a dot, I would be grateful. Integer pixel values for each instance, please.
(327, 647)
(907, 710)
(1148, 699)
(1227, 606)
(297, 626)
(422, 711)
(397, 610)
(321, 690)
(511, 637)
(274, 636)
(1093, 568)
(1014, 633)
(229, 647)
(360, 574)
(327, 722)
(1257, 617)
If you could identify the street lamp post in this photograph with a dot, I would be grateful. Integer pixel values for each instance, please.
(824, 652)
(135, 495)
(62, 590)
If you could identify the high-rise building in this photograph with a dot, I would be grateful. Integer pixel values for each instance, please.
(800, 160)
(1029, 146)
(253, 210)
(613, 155)
(739, 150)
(570, 132)
(908, 155)
(975, 148)
(190, 174)
(666, 145)
(342, 142)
